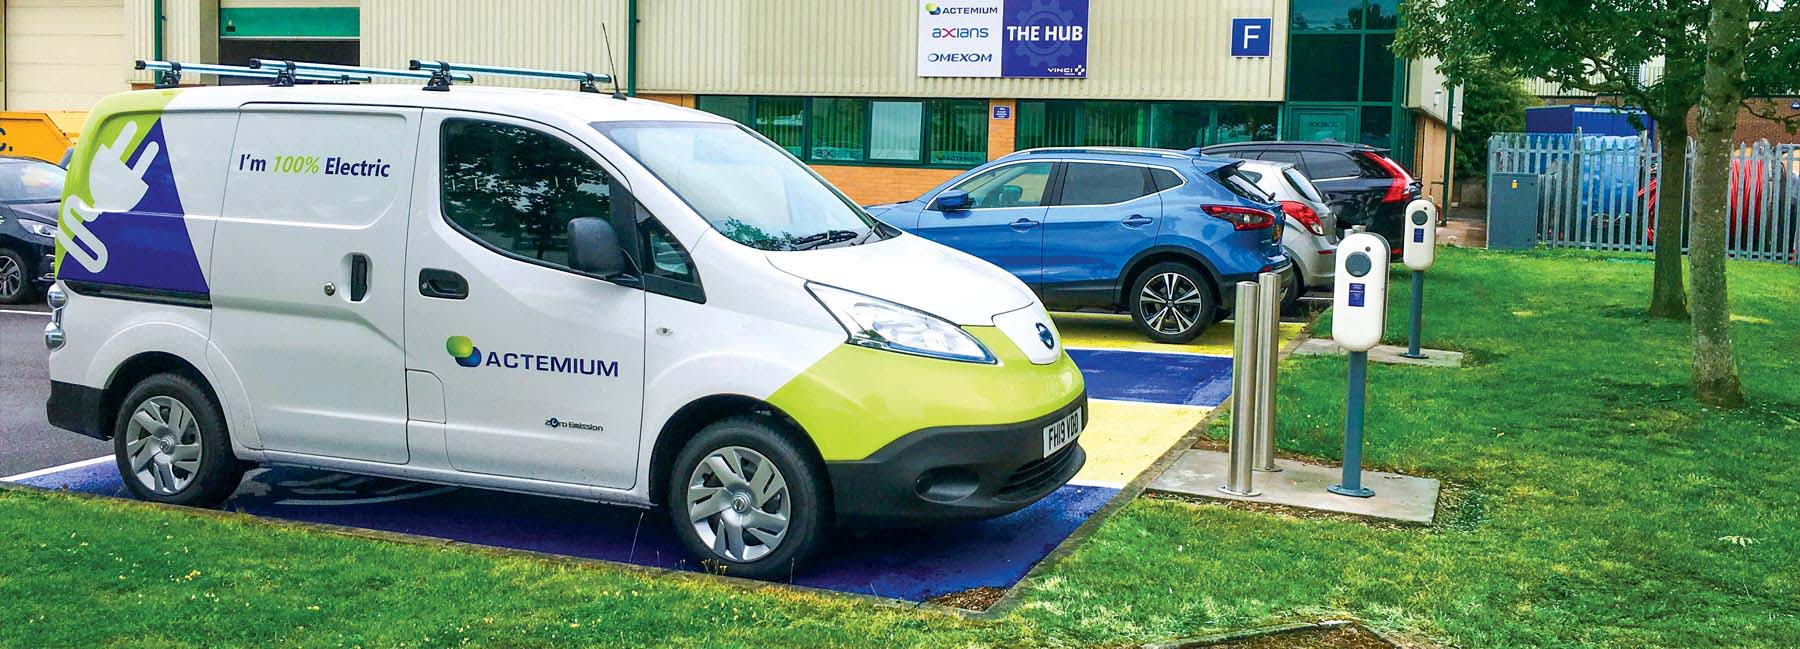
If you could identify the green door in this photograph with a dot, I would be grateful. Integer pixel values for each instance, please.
(1319, 123)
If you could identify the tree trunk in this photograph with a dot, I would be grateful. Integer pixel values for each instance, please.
(1668, 298)
(1715, 366)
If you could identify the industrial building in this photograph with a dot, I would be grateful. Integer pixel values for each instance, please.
(886, 98)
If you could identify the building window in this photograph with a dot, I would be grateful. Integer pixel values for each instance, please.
(1325, 67)
(959, 132)
(1343, 78)
(839, 127)
(1378, 68)
(841, 130)
(1326, 15)
(1166, 124)
(897, 131)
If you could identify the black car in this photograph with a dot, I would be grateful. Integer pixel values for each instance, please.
(30, 191)
(1361, 182)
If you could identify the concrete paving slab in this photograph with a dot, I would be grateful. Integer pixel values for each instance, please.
(1390, 354)
(1397, 497)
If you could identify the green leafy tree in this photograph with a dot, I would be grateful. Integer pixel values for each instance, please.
(1494, 101)
(1597, 47)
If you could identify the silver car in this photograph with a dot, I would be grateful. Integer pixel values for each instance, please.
(1310, 238)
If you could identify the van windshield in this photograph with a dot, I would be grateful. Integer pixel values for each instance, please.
(750, 190)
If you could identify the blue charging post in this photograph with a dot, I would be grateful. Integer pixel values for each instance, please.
(1351, 484)
(1418, 315)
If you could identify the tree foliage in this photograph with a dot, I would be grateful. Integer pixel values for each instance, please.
(1494, 101)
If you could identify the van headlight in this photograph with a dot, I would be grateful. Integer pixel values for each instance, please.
(880, 324)
(39, 228)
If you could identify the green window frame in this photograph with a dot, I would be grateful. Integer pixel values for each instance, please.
(937, 133)
(1161, 124)
(1338, 57)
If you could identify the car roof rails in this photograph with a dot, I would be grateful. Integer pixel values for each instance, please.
(442, 72)
(308, 67)
(1128, 150)
(168, 73)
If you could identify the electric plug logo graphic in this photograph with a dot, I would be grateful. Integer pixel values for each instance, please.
(464, 351)
(114, 186)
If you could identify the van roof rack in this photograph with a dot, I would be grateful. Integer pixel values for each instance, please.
(442, 73)
(308, 67)
(168, 73)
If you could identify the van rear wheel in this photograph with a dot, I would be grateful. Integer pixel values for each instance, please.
(745, 499)
(1171, 303)
(170, 442)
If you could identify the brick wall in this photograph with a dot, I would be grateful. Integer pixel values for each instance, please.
(1428, 157)
(872, 185)
(1000, 131)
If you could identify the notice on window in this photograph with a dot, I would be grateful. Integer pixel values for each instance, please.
(1003, 38)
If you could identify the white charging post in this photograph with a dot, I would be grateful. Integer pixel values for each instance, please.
(1358, 316)
(1419, 253)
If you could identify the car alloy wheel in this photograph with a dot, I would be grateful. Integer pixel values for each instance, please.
(1170, 303)
(12, 277)
(738, 503)
(163, 443)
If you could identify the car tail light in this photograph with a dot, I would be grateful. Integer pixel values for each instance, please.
(1305, 215)
(1242, 218)
(1396, 192)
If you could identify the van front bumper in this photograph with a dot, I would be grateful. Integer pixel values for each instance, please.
(955, 473)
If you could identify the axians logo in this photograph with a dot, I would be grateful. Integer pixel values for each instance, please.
(466, 354)
(959, 32)
(463, 350)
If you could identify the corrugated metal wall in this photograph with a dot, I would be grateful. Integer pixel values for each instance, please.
(1137, 49)
(63, 54)
(552, 34)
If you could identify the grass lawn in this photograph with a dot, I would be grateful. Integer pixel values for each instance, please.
(1591, 502)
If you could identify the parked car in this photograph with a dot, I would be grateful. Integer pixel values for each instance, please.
(1160, 234)
(718, 332)
(1368, 187)
(1310, 238)
(29, 192)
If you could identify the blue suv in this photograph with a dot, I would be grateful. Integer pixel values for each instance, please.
(1160, 234)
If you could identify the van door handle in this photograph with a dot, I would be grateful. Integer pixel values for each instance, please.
(359, 277)
(1136, 220)
(1024, 224)
(442, 284)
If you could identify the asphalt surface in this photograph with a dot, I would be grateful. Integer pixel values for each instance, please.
(27, 441)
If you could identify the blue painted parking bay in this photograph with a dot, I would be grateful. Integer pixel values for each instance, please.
(1142, 402)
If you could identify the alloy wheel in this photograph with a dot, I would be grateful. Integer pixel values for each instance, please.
(738, 503)
(12, 277)
(162, 442)
(1170, 303)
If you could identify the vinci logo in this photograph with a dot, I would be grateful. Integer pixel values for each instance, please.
(468, 355)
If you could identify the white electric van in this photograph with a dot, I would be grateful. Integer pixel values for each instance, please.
(549, 292)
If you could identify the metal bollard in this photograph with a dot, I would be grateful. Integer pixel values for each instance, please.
(1268, 346)
(1243, 394)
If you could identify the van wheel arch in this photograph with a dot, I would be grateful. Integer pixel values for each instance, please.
(698, 414)
(142, 366)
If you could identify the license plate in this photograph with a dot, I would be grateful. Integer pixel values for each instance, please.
(1062, 432)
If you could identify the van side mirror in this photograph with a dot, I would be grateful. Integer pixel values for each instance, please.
(594, 247)
(951, 201)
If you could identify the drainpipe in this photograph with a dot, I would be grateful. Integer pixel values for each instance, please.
(631, 43)
(156, 28)
(1449, 151)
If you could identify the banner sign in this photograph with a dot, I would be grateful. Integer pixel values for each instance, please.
(1003, 38)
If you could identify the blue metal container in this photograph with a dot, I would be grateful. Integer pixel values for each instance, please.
(1591, 120)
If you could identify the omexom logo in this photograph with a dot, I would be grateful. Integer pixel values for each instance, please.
(466, 354)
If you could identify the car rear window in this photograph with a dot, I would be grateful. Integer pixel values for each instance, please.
(1327, 164)
(1240, 183)
(1302, 184)
(1290, 157)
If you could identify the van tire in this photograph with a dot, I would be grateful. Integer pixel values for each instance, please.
(805, 499)
(171, 401)
(16, 277)
(1157, 280)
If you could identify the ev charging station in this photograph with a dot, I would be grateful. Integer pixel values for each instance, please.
(1419, 253)
(1359, 314)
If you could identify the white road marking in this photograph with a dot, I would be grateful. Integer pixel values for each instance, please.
(24, 312)
(57, 469)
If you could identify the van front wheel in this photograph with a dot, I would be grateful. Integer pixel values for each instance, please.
(171, 444)
(746, 500)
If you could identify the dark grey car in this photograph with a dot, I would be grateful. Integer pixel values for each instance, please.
(30, 191)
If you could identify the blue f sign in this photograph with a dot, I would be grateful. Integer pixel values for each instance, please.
(1250, 36)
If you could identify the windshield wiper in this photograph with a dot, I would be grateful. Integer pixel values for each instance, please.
(825, 238)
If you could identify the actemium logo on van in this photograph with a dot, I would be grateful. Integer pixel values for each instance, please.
(466, 354)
